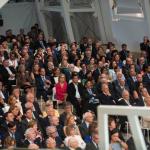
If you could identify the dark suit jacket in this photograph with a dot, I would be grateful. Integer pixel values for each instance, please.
(84, 130)
(72, 91)
(37, 141)
(146, 82)
(5, 75)
(24, 125)
(91, 146)
(40, 83)
(106, 100)
(38, 44)
(131, 84)
(37, 108)
(17, 136)
(118, 90)
(123, 54)
(122, 102)
(96, 74)
(40, 87)
(91, 101)
(144, 47)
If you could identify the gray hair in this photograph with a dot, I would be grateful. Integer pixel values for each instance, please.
(48, 129)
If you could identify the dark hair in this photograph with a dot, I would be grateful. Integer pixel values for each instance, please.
(123, 45)
(74, 74)
(6, 114)
(110, 119)
(114, 131)
(11, 124)
(25, 110)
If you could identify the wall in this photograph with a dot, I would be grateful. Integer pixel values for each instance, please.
(130, 32)
(18, 15)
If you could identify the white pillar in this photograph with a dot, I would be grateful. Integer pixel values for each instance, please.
(104, 6)
(146, 14)
(66, 16)
(41, 18)
(3, 2)
(100, 21)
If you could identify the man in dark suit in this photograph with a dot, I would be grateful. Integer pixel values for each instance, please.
(105, 97)
(75, 93)
(14, 133)
(97, 72)
(119, 86)
(84, 44)
(87, 56)
(91, 100)
(44, 85)
(8, 74)
(84, 127)
(40, 43)
(132, 80)
(8, 117)
(124, 52)
(125, 101)
(28, 116)
(93, 145)
(146, 78)
(144, 46)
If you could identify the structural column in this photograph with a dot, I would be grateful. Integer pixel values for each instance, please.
(66, 16)
(100, 21)
(146, 13)
(104, 6)
(3, 2)
(41, 17)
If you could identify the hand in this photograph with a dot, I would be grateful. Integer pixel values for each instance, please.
(118, 140)
(47, 82)
(135, 95)
(12, 75)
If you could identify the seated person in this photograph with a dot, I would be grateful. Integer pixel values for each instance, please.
(71, 133)
(115, 142)
(70, 121)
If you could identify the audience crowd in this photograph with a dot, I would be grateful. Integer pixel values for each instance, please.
(70, 80)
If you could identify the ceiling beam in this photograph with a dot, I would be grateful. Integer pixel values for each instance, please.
(3, 2)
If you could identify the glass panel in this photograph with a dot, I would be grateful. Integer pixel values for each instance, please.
(80, 3)
(52, 2)
(85, 24)
(124, 9)
(18, 1)
(56, 26)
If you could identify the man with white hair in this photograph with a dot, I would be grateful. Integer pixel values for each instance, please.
(88, 118)
(125, 100)
(51, 131)
(30, 138)
(55, 122)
